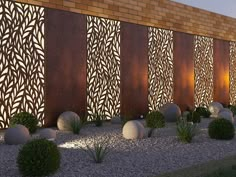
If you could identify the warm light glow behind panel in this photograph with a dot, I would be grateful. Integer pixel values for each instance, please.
(21, 60)
(203, 70)
(160, 67)
(103, 66)
(232, 73)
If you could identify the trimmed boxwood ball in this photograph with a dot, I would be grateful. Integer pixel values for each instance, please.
(194, 117)
(204, 112)
(155, 119)
(38, 157)
(221, 128)
(26, 119)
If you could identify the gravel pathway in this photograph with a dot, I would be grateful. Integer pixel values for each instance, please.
(127, 158)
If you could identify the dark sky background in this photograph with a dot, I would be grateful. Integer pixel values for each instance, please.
(224, 7)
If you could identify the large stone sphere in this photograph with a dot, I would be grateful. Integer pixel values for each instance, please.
(65, 119)
(171, 112)
(16, 135)
(47, 133)
(215, 108)
(227, 110)
(226, 115)
(133, 129)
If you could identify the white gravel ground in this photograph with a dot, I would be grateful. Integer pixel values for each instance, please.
(127, 158)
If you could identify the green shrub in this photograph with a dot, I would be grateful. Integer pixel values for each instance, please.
(76, 125)
(194, 117)
(26, 119)
(223, 172)
(204, 112)
(98, 151)
(221, 128)
(233, 109)
(155, 119)
(38, 157)
(185, 130)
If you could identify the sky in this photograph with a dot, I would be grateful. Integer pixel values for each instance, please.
(224, 7)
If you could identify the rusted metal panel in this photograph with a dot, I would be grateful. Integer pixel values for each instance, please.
(65, 43)
(221, 71)
(183, 70)
(134, 69)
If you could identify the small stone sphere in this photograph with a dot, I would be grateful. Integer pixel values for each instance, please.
(65, 119)
(226, 115)
(133, 129)
(47, 133)
(215, 108)
(16, 135)
(171, 112)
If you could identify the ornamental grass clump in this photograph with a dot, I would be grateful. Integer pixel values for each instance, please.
(39, 157)
(155, 119)
(26, 119)
(222, 129)
(185, 130)
(76, 126)
(98, 119)
(98, 151)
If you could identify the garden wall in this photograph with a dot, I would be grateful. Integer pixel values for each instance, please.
(52, 61)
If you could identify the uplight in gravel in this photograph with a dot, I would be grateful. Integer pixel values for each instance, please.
(73, 145)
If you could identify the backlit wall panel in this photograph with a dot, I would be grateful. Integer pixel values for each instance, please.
(232, 71)
(203, 70)
(21, 60)
(103, 66)
(160, 67)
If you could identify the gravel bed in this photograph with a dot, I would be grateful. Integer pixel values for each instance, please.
(132, 158)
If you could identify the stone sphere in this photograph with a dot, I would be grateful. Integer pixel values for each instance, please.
(226, 115)
(215, 108)
(65, 119)
(227, 110)
(171, 112)
(16, 135)
(133, 129)
(47, 133)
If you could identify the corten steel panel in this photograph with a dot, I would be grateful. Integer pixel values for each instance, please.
(221, 71)
(134, 69)
(65, 39)
(183, 70)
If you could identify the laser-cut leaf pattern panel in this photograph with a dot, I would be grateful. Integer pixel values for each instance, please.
(232, 73)
(203, 70)
(160, 67)
(103, 66)
(21, 60)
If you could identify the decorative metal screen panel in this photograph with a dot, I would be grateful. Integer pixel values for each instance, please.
(233, 73)
(21, 60)
(203, 70)
(160, 67)
(103, 66)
